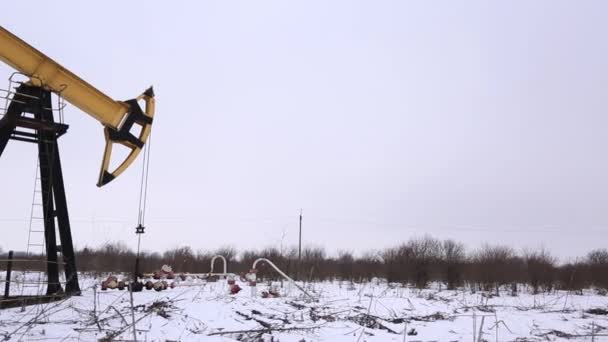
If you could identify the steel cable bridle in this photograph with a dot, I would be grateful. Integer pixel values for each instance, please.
(143, 192)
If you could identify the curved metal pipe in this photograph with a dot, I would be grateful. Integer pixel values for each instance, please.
(282, 274)
(223, 259)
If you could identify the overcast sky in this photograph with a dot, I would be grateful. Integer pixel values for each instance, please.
(480, 121)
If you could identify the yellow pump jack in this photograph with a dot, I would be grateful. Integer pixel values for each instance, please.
(29, 117)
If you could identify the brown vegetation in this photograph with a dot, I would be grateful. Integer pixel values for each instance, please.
(416, 262)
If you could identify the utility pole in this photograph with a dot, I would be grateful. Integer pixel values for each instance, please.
(300, 242)
(299, 248)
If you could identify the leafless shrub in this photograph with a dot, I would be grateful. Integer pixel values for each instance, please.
(425, 255)
(573, 277)
(368, 266)
(182, 259)
(494, 266)
(416, 262)
(598, 267)
(540, 269)
(313, 259)
(345, 265)
(453, 256)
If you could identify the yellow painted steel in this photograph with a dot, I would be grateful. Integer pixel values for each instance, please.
(33, 63)
(143, 136)
(45, 72)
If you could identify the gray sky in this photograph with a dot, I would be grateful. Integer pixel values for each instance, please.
(382, 120)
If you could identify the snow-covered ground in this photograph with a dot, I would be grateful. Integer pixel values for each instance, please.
(375, 311)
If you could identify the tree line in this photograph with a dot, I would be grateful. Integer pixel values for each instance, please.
(417, 262)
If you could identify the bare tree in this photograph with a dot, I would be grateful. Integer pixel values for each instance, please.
(395, 262)
(417, 262)
(313, 259)
(369, 265)
(574, 276)
(454, 256)
(540, 269)
(598, 267)
(182, 259)
(494, 266)
(426, 253)
(346, 265)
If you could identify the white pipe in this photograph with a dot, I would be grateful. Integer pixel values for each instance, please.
(283, 274)
(149, 275)
(223, 259)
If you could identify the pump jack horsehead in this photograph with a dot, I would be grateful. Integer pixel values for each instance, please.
(29, 117)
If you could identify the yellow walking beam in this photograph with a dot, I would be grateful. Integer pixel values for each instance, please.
(117, 117)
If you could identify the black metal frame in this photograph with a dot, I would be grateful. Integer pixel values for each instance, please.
(44, 131)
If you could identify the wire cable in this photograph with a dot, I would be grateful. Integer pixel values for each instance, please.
(143, 198)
